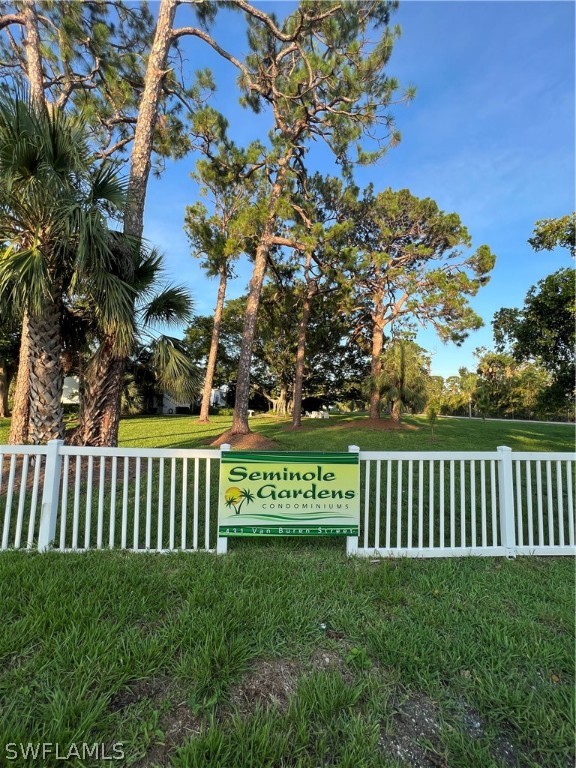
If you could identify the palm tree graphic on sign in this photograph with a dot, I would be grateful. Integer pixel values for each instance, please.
(235, 498)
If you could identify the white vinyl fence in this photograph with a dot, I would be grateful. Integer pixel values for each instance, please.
(78, 498)
(415, 504)
(448, 504)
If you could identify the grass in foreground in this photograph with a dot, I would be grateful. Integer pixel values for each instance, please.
(275, 656)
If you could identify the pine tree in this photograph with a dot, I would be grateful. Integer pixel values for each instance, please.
(219, 238)
(410, 269)
(323, 78)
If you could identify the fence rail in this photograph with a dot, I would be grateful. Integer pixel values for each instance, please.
(414, 504)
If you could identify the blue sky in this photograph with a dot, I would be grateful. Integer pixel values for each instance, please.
(490, 136)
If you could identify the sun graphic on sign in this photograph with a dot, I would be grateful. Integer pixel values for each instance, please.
(235, 498)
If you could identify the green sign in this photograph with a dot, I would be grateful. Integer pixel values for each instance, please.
(265, 493)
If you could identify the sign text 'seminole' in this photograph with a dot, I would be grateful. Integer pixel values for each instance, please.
(241, 473)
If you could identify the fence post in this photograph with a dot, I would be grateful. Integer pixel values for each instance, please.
(352, 541)
(506, 496)
(50, 495)
(221, 542)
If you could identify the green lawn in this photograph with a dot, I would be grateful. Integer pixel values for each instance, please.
(336, 434)
(290, 657)
(287, 654)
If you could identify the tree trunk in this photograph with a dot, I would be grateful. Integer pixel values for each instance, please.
(21, 406)
(46, 374)
(270, 400)
(19, 424)
(282, 402)
(396, 410)
(99, 417)
(33, 55)
(100, 412)
(240, 420)
(112, 403)
(376, 363)
(107, 390)
(301, 356)
(211, 366)
(4, 384)
(140, 158)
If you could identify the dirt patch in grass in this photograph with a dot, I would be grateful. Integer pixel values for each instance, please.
(331, 660)
(270, 683)
(384, 425)
(250, 442)
(273, 682)
(155, 689)
(72, 470)
(413, 737)
(177, 725)
(474, 726)
(177, 722)
(415, 728)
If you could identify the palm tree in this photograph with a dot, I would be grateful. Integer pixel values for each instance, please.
(236, 497)
(55, 204)
(117, 336)
(404, 376)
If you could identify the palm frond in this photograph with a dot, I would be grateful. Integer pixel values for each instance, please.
(23, 277)
(132, 401)
(175, 372)
(148, 269)
(172, 305)
(114, 309)
(55, 200)
(107, 187)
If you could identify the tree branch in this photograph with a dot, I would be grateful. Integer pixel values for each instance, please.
(288, 242)
(104, 153)
(11, 18)
(278, 34)
(195, 32)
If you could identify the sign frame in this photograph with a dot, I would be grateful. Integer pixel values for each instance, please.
(272, 493)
